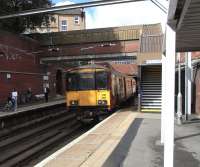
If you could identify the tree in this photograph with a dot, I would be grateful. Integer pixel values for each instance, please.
(19, 24)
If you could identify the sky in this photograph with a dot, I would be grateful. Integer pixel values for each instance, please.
(133, 13)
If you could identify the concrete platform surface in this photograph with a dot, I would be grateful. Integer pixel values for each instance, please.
(128, 139)
(141, 146)
(33, 106)
(94, 147)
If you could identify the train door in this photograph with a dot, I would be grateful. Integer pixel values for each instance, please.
(59, 82)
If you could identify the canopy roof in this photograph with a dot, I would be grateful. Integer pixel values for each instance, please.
(183, 17)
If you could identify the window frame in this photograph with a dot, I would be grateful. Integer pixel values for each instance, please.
(63, 25)
(76, 20)
(106, 75)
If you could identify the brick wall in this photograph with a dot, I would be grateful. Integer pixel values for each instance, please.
(95, 48)
(197, 92)
(21, 82)
(20, 67)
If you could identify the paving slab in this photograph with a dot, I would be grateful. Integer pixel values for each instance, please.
(94, 148)
(141, 145)
(129, 139)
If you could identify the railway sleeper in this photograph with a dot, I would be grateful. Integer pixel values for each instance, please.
(30, 153)
(12, 140)
(16, 129)
(18, 149)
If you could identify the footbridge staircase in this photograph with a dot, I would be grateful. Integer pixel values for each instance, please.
(150, 88)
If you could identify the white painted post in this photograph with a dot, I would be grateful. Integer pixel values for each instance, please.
(163, 111)
(170, 86)
(189, 82)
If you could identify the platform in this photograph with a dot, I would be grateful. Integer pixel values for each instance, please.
(128, 139)
(34, 106)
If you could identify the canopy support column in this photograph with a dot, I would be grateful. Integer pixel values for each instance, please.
(163, 111)
(170, 92)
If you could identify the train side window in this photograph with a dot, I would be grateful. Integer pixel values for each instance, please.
(113, 84)
(72, 81)
(120, 83)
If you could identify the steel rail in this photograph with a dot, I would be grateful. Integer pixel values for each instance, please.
(67, 7)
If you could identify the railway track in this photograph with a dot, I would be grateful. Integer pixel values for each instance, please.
(19, 145)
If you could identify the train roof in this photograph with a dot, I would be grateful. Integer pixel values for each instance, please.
(105, 66)
(87, 66)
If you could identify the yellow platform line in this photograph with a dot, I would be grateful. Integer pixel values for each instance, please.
(151, 110)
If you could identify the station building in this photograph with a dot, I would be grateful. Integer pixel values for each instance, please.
(116, 45)
(39, 60)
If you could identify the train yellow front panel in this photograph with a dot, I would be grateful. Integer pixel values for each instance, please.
(87, 98)
(103, 95)
(84, 98)
(71, 96)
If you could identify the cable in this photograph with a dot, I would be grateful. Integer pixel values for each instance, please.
(67, 7)
(160, 6)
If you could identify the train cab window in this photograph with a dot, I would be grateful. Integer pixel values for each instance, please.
(86, 81)
(72, 81)
(80, 81)
(101, 80)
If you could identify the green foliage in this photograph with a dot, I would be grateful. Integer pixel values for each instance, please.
(19, 24)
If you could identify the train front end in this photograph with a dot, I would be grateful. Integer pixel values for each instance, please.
(88, 92)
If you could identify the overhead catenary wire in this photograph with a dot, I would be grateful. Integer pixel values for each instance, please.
(67, 7)
(158, 4)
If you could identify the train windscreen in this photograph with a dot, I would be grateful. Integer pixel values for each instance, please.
(87, 81)
(101, 80)
(80, 81)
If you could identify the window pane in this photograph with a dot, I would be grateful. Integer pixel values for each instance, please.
(83, 81)
(64, 22)
(64, 28)
(101, 80)
(86, 81)
(76, 19)
(63, 25)
(72, 81)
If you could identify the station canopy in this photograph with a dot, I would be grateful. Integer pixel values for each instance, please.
(183, 17)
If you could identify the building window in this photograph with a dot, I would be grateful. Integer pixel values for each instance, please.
(76, 19)
(8, 76)
(64, 25)
(48, 29)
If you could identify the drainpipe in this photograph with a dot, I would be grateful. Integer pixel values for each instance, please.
(189, 83)
(186, 85)
(179, 97)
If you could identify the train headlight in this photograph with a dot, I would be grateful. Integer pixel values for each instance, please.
(74, 102)
(102, 102)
